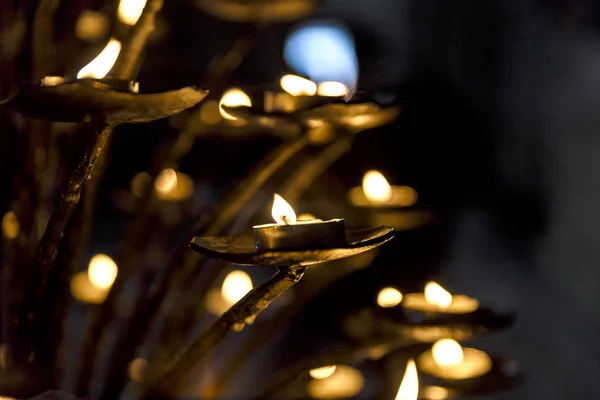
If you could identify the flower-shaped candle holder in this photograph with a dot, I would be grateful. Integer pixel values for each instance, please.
(368, 324)
(241, 249)
(353, 117)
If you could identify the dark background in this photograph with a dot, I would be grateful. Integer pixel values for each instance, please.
(498, 133)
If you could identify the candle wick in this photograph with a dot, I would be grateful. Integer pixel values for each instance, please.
(285, 219)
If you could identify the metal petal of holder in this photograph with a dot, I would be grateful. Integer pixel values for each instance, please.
(381, 323)
(82, 101)
(252, 11)
(240, 249)
(350, 116)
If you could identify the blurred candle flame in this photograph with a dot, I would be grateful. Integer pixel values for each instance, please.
(99, 66)
(235, 286)
(102, 271)
(376, 187)
(166, 180)
(332, 89)
(409, 388)
(322, 372)
(233, 98)
(10, 225)
(389, 297)
(130, 11)
(447, 352)
(437, 295)
(298, 86)
(282, 212)
(435, 393)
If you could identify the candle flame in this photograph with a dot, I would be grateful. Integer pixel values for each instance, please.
(10, 225)
(389, 297)
(376, 187)
(447, 352)
(99, 66)
(102, 271)
(235, 286)
(282, 212)
(409, 388)
(437, 295)
(332, 89)
(233, 98)
(298, 86)
(130, 11)
(166, 181)
(435, 393)
(323, 372)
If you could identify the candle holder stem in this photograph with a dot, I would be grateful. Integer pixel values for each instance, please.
(63, 211)
(131, 54)
(243, 312)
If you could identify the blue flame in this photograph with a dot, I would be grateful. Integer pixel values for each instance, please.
(323, 51)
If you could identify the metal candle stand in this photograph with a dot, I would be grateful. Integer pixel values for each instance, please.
(242, 250)
(408, 328)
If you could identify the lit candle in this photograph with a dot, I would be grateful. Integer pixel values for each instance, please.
(235, 286)
(377, 192)
(409, 387)
(343, 381)
(436, 299)
(389, 297)
(298, 93)
(94, 73)
(289, 234)
(447, 359)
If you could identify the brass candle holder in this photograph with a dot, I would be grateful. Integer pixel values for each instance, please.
(292, 244)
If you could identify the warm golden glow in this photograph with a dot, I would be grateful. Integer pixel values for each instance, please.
(171, 185)
(437, 295)
(130, 11)
(210, 112)
(233, 98)
(91, 25)
(83, 290)
(435, 393)
(332, 89)
(99, 66)
(389, 297)
(166, 181)
(376, 187)
(10, 225)
(7, 398)
(305, 217)
(298, 86)
(102, 271)
(235, 286)
(136, 369)
(323, 372)
(282, 212)
(345, 382)
(409, 388)
(447, 352)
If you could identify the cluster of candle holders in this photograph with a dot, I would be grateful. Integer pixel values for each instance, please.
(288, 247)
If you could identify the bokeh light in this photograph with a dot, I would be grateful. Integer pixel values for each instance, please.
(323, 51)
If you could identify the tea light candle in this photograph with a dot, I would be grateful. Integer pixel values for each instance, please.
(436, 299)
(94, 73)
(290, 234)
(377, 192)
(447, 359)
